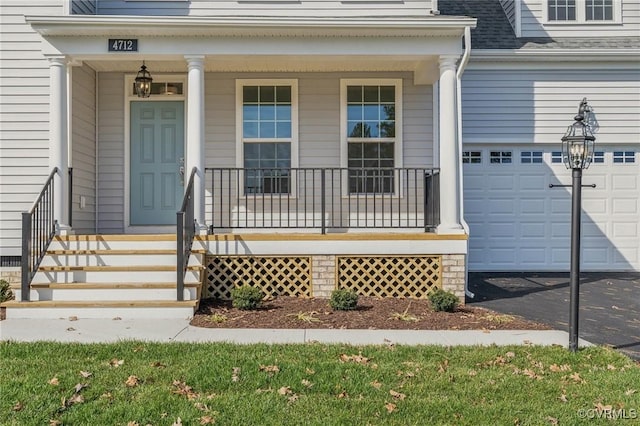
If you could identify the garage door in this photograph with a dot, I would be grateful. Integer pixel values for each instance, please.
(518, 223)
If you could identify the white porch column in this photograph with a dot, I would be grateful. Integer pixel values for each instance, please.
(449, 161)
(195, 136)
(58, 143)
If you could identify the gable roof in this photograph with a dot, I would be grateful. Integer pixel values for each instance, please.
(494, 31)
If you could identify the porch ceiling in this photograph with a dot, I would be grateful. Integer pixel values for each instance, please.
(264, 63)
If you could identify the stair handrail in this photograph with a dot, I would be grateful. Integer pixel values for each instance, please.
(186, 231)
(37, 234)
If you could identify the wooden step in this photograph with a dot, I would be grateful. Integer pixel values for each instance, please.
(117, 237)
(132, 268)
(102, 252)
(95, 286)
(100, 304)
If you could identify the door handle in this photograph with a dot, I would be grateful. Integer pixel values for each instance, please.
(181, 171)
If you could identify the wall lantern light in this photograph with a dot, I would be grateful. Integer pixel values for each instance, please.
(577, 152)
(143, 82)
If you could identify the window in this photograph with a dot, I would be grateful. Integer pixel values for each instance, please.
(599, 10)
(268, 134)
(557, 157)
(624, 157)
(598, 157)
(583, 12)
(531, 157)
(371, 134)
(500, 157)
(561, 10)
(471, 157)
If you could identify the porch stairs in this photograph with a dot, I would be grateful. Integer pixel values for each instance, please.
(111, 276)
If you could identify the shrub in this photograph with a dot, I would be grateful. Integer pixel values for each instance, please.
(343, 299)
(5, 291)
(443, 300)
(246, 297)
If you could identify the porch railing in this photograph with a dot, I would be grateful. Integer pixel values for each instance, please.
(186, 231)
(327, 199)
(38, 229)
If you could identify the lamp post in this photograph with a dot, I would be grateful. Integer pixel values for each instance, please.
(577, 152)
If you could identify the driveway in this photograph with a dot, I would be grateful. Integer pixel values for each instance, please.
(609, 303)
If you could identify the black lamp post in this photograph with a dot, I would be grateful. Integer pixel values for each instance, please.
(577, 152)
(143, 82)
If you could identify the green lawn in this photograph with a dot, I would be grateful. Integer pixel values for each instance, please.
(147, 383)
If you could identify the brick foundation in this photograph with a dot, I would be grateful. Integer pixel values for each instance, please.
(454, 274)
(323, 275)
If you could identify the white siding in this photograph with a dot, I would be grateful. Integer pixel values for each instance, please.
(319, 126)
(24, 115)
(523, 106)
(83, 145)
(533, 13)
(266, 8)
(110, 153)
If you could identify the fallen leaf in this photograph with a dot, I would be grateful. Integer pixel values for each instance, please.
(202, 407)
(71, 329)
(271, 369)
(343, 394)
(235, 376)
(293, 398)
(75, 399)
(531, 374)
(285, 390)
(115, 362)
(390, 407)
(158, 364)
(183, 389)
(611, 367)
(576, 377)
(376, 384)
(510, 355)
(117, 319)
(132, 381)
(442, 367)
(178, 422)
(54, 381)
(54, 422)
(85, 374)
(306, 383)
(552, 420)
(630, 392)
(358, 359)
(310, 371)
(139, 349)
(74, 318)
(207, 420)
(133, 424)
(78, 387)
(397, 395)
(18, 406)
(563, 397)
(473, 373)
(600, 408)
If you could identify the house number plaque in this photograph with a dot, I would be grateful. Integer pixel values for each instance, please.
(123, 45)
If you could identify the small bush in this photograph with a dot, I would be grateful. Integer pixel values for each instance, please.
(343, 299)
(443, 301)
(246, 297)
(5, 291)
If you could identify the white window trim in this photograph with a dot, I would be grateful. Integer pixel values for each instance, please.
(344, 140)
(129, 96)
(581, 15)
(293, 83)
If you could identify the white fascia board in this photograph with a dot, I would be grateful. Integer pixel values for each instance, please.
(234, 26)
(580, 55)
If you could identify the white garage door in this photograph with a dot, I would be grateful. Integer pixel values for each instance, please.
(518, 223)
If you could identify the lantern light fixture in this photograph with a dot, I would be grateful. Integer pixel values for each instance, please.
(578, 142)
(143, 82)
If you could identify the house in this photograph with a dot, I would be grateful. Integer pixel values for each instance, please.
(306, 145)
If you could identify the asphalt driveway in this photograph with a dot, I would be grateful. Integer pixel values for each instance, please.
(609, 303)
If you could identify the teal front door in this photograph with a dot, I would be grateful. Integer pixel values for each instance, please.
(157, 155)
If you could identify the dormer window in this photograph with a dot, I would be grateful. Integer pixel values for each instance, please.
(582, 12)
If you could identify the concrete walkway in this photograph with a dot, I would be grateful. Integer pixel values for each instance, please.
(609, 303)
(105, 331)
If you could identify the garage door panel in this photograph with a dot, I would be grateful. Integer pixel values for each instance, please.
(502, 230)
(534, 206)
(597, 206)
(532, 182)
(532, 230)
(560, 230)
(627, 230)
(504, 206)
(560, 206)
(533, 256)
(596, 255)
(629, 182)
(624, 206)
(501, 183)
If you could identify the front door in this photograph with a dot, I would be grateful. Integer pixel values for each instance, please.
(157, 158)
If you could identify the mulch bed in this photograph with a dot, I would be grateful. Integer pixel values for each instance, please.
(372, 313)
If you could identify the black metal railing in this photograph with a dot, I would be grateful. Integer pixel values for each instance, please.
(70, 200)
(186, 231)
(38, 229)
(327, 199)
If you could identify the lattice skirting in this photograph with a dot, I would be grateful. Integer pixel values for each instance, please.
(275, 275)
(396, 276)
